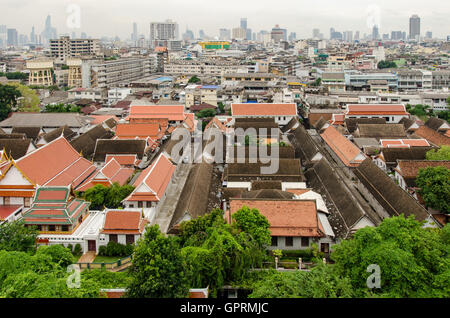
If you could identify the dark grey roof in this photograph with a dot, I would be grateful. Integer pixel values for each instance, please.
(117, 147)
(29, 131)
(391, 155)
(53, 120)
(351, 123)
(391, 197)
(380, 131)
(435, 123)
(17, 148)
(86, 142)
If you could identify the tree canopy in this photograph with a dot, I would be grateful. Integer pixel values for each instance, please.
(62, 108)
(439, 154)
(386, 64)
(434, 184)
(30, 100)
(110, 197)
(14, 236)
(208, 112)
(158, 269)
(8, 99)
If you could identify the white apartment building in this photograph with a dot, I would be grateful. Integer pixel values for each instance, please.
(117, 94)
(167, 30)
(65, 47)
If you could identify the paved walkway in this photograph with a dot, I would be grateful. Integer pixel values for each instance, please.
(165, 214)
(87, 257)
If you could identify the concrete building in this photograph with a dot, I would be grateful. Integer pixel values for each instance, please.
(117, 94)
(65, 47)
(414, 27)
(41, 72)
(197, 94)
(239, 34)
(278, 34)
(414, 80)
(167, 30)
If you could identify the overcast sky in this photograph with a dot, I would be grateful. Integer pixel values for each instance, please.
(115, 17)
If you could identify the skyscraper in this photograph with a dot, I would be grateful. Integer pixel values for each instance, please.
(134, 35)
(316, 33)
(3, 35)
(375, 32)
(167, 31)
(244, 23)
(49, 31)
(278, 34)
(414, 27)
(13, 37)
(224, 34)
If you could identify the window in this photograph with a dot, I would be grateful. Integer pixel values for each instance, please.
(274, 241)
(113, 238)
(130, 239)
(65, 228)
(51, 228)
(148, 204)
(27, 202)
(325, 247)
(6, 200)
(140, 204)
(289, 241)
(305, 241)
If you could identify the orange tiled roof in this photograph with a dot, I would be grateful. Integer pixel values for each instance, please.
(49, 161)
(124, 160)
(286, 217)
(432, 136)
(350, 155)
(172, 112)
(123, 221)
(376, 109)
(137, 130)
(410, 168)
(264, 110)
(390, 143)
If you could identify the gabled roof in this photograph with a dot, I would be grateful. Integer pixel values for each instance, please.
(73, 120)
(171, 112)
(153, 181)
(437, 124)
(124, 131)
(349, 154)
(123, 160)
(432, 136)
(123, 222)
(29, 131)
(391, 155)
(409, 169)
(119, 147)
(57, 163)
(376, 109)
(391, 197)
(16, 148)
(404, 143)
(85, 143)
(381, 131)
(286, 217)
(352, 123)
(55, 133)
(289, 170)
(55, 205)
(264, 109)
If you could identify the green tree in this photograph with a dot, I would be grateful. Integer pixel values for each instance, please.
(15, 236)
(30, 100)
(8, 99)
(439, 154)
(434, 184)
(110, 197)
(221, 107)
(59, 254)
(254, 223)
(194, 79)
(413, 260)
(386, 64)
(158, 269)
(208, 112)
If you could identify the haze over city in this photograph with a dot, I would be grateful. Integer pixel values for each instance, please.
(115, 18)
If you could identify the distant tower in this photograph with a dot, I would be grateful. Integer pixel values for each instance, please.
(414, 27)
(134, 36)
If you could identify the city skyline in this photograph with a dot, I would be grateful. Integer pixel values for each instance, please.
(297, 19)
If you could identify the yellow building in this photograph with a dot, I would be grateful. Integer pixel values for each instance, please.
(41, 72)
(75, 79)
(215, 45)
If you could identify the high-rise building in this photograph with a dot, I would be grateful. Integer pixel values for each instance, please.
(65, 47)
(332, 31)
(375, 32)
(188, 35)
(134, 35)
(429, 35)
(278, 34)
(163, 31)
(356, 38)
(414, 27)
(385, 36)
(3, 35)
(292, 36)
(396, 35)
(348, 36)
(49, 32)
(83, 35)
(316, 33)
(239, 34)
(32, 36)
(13, 37)
(224, 34)
(244, 23)
(201, 34)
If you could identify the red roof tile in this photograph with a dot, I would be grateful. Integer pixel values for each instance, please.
(264, 109)
(350, 155)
